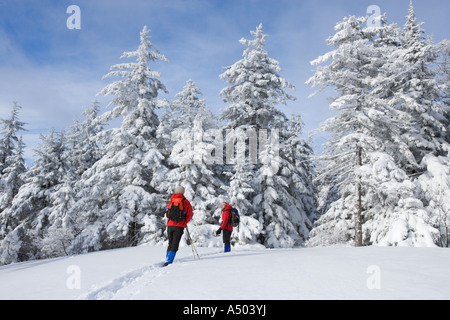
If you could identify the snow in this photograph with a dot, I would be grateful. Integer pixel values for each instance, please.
(246, 273)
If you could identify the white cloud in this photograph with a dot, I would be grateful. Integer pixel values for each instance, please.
(49, 99)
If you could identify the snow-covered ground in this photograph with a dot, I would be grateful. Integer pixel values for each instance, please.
(243, 274)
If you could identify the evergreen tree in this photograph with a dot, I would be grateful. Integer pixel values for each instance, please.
(12, 167)
(364, 172)
(420, 90)
(9, 135)
(186, 122)
(286, 191)
(181, 114)
(443, 79)
(83, 148)
(255, 87)
(299, 173)
(416, 91)
(13, 176)
(435, 183)
(349, 73)
(31, 207)
(63, 223)
(118, 194)
(255, 90)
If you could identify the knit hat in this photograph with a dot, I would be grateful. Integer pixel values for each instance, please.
(179, 190)
(223, 198)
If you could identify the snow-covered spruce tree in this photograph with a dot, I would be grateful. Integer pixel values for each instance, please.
(400, 216)
(412, 81)
(83, 149)
(62, 228)
(362, 165)
(12, 167)
(13, 176)
(9, 138)
(419, 92)
(255, 89)
(118, 194)
(443, 79)
(183, 128)
(348, 72)
(435, 181)
(286, 198)
(181, 114)
(80, 152)
(394, 215)
(238, 176)
(298, 170)
(31, 207)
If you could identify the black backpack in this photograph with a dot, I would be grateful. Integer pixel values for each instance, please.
(175, 210)
(235, 218)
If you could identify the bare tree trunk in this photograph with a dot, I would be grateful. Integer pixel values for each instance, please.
(358, 216)
(133, 231)
(446, 237)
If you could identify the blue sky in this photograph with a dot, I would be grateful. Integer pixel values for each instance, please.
(54, 72)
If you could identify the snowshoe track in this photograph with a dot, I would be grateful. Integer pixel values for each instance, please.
(134, 279)
(132, 282)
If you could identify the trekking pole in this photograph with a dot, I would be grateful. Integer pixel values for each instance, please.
(192, 244)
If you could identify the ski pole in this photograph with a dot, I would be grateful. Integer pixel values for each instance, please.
(192, 244)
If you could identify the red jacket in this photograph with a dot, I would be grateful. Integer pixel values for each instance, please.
(226, 218)
(187, 208)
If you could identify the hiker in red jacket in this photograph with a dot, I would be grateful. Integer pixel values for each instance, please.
(179, 213)
(226, 226)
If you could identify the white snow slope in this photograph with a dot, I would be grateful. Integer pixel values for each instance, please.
(243, 274)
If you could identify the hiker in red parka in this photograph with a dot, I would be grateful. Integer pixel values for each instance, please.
(175, 229)
(226, 226)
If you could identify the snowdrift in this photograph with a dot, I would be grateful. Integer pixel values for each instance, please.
(244, 274)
